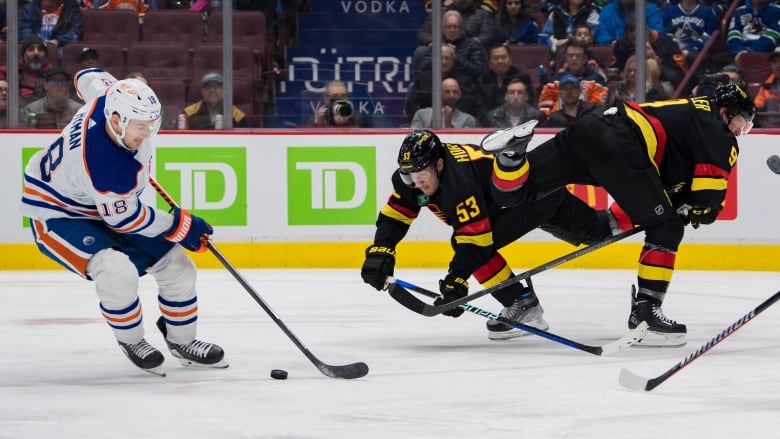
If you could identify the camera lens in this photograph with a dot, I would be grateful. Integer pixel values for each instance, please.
(342, 108)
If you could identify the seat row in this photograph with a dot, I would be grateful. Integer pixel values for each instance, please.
(188, 28)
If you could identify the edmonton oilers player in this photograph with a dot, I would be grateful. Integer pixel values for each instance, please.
(82, 195)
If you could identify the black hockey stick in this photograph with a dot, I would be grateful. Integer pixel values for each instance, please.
(397, 288)
(633, 381)
(610, 348)
(774, 163)
(348, 371)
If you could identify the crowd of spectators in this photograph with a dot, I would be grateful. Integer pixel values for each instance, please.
(676, 32)
(484, 85)
(46, 27)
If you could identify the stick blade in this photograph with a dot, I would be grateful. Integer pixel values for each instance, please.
(626, 341)
(347, 371)
(402, 296)
(632, 381)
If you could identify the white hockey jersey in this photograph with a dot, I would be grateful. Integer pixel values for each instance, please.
(85, 175)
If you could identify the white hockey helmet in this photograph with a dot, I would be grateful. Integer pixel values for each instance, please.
(91, 83)
(131, 99)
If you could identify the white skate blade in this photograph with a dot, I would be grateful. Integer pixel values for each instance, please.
(157, 371)
(654, 339)
(221, 364)
(540, 324)
(497, 140)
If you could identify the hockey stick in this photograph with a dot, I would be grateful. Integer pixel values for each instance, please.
(348, 371)
(633, 381)
(397, 288)
(610, 348)
(774, 163)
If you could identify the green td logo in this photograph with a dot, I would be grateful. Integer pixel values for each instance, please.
(209, 182)
(331, 185)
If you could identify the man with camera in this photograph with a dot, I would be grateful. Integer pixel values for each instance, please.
(336, 110)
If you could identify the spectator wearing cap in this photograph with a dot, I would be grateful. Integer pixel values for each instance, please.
(768, 97)
(202, 115)
(591, 81)
(32, 66)
(571, 104)
(58, 22)
(56, 108)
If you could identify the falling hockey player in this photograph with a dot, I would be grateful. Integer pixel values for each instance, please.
(665, 163)
(82, 195)
(454, 182)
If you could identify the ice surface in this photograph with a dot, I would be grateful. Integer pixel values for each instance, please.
(62, 375)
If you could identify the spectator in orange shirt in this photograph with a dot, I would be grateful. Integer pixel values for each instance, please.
(768, 97)
(591, 81)
(133, 5)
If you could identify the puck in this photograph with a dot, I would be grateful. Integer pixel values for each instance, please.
(279, 374)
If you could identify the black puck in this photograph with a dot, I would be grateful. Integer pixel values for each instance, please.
(278, 374)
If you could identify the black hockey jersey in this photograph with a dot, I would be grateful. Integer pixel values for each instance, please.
(463, 201)
(691, 147)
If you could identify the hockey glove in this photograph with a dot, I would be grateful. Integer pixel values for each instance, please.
(379, 264)
(698, 215)
(452, 287)
(190, 231)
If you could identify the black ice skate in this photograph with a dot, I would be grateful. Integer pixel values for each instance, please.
(662, 331)
(195, 353)
(511, 141)
(526, 310)
(145, 356)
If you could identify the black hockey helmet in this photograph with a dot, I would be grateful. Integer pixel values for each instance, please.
(735, 100)
(419, 150)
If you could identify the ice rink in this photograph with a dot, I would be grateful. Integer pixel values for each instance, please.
(62, 374)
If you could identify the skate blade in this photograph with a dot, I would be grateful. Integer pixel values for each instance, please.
(157, 371)
(540, 324)
(497, 140)
(655, 339)
(221, 364)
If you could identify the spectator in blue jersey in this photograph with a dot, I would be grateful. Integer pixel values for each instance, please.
(613, 18)
(58, 22)
(516, 25)
(754, 27)
(690, 23)
(566, 17)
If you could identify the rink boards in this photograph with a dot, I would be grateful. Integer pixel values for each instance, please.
(309, 199)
